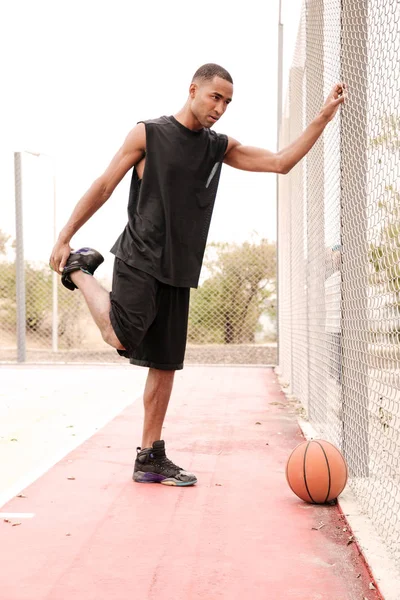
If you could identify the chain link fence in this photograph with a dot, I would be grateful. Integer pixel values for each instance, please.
(232, 313)
(339, 246)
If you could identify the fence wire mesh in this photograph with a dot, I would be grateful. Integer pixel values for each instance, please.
(339, 246)
(232, 313)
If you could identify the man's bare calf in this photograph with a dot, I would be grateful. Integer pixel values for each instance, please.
(98, 301)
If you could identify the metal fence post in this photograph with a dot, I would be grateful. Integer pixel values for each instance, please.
(315, 184)
(354, 171)
(19, 261)
(55, 276)
(278, 131)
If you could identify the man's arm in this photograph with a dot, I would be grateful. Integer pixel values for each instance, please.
(128, 155)
(249, 158)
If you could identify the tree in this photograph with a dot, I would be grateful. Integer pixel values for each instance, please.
(390, 133)
(4, 237)
(38, 291)
(227, 307)
(384, 251)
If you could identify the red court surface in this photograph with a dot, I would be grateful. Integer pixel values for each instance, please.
(240, 533)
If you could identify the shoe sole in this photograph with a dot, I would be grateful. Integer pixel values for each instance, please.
(143, 477)
(67, 281)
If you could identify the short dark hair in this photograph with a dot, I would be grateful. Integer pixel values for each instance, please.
(208, 71)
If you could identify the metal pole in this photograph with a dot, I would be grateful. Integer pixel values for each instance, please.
(315, 190)
(278, 131)
(280, 68)
(19, 262)
(55, 277)
(354, 239)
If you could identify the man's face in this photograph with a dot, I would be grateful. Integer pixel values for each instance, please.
(210, 100)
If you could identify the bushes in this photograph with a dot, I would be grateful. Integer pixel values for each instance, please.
(240, 287)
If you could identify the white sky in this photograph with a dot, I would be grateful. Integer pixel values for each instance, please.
(77, 76)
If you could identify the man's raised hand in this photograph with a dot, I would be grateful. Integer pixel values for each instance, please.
(336, 97)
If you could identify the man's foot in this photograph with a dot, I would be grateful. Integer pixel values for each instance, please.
(152, 466)
(84, 259)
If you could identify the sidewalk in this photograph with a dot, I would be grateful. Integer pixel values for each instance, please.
(85, 531)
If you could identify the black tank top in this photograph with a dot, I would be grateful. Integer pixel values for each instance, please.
(169, 210)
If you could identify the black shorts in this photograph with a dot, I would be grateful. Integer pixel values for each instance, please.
(149, 318)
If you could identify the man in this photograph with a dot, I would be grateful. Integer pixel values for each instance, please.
(176, 164)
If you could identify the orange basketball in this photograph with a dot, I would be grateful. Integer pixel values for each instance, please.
(316, 471)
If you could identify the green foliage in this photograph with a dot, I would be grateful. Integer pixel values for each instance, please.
(7, 294)
(390, 133)
(38, 292)
(227, 307)
(384, 253)
(4, 237)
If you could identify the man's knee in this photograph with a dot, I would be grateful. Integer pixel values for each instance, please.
(109, 336)
(161, 374)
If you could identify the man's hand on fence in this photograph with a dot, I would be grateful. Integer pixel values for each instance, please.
(59, 256)
(337, 96)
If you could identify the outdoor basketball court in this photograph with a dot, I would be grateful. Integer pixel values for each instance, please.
(75, 526)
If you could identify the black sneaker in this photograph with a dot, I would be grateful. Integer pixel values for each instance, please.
(152, 466)
(84, 259)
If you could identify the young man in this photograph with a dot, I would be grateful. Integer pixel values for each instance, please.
(177, 163)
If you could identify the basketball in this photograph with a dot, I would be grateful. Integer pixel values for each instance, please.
(316, 471)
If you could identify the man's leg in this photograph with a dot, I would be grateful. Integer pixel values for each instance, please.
(152, 464)
(98, 301)
(156, 398)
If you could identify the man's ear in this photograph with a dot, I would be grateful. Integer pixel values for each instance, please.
(193, 89)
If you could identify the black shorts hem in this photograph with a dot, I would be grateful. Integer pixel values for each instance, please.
(153, 365)
(119, 334)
